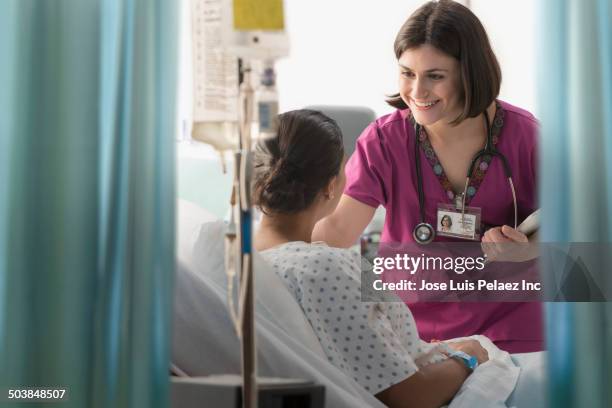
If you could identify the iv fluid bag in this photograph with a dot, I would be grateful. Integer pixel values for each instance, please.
(223, 31)
(215, 77)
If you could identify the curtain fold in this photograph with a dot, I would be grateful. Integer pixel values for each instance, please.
(87, 98)
(575, 107)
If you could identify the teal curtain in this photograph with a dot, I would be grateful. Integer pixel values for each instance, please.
(575, 107)
(87, 196)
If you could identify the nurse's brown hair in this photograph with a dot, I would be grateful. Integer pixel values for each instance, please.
(453, 29)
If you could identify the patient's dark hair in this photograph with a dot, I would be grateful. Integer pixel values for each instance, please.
(293, 167)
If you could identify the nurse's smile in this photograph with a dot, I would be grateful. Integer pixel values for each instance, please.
(423, 106)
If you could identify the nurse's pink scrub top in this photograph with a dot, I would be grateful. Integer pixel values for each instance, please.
(381, 172)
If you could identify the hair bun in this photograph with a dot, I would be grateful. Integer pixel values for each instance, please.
(291, 169)
(288, 169)
(283, 189)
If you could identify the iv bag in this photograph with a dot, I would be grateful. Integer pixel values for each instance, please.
(222, 32)
(215, 77)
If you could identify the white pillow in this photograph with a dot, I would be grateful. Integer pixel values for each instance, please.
(204, 343)
(203, 339)
(189, 219)
(272, 299)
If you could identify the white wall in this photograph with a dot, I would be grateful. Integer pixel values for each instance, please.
(511, 28)
(342, 50)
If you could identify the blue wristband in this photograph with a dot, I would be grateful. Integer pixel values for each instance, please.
(470, 362)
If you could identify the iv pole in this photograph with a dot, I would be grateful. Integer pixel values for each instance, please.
(249, 31)
(244, 173)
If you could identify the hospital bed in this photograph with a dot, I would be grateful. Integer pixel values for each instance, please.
(204, 342)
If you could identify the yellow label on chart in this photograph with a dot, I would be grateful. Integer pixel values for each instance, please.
(258, 15)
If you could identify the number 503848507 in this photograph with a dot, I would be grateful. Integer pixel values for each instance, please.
(36, 394)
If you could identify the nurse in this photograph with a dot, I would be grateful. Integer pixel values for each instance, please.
(449, 81)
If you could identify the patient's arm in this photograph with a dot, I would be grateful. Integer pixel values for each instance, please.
(434, 385)
(342, 228)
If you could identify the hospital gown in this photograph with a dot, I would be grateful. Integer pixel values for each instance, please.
(375, 343)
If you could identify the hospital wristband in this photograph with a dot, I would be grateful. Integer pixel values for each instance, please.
(469, 361)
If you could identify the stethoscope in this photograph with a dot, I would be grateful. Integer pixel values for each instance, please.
(424, 232)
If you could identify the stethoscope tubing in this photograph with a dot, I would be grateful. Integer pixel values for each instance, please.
(488, 150)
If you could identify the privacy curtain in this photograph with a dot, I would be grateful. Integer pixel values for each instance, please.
(575, 107)
(87, 108)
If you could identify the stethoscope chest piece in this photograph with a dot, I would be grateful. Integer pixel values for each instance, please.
(423, 233)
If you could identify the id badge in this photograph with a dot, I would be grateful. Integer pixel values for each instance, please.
(452, 222)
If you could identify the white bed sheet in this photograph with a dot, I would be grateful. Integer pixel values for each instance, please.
(530, 390)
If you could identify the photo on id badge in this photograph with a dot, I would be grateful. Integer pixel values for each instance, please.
(453, 223)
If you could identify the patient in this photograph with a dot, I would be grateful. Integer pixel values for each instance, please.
(299, 177)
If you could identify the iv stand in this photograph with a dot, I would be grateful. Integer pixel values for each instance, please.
(244, 174)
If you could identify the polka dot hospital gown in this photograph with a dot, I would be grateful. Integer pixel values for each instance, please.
(376, 344)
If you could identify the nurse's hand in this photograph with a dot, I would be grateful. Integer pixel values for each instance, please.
(508, 245)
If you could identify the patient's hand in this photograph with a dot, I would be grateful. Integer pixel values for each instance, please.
(471, 347)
